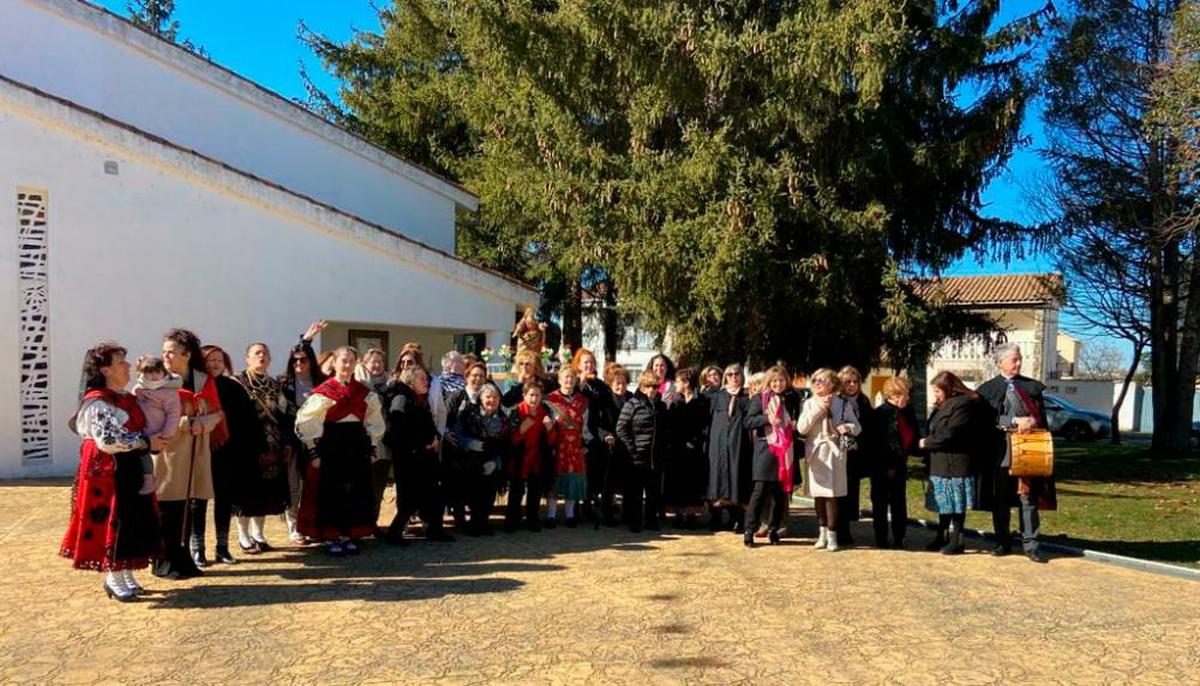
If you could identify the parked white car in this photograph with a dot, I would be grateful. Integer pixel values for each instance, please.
(1073, 422)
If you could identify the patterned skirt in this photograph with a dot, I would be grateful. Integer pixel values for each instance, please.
(953, 494)
(571, 486)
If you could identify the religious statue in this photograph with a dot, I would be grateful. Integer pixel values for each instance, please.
(530, 333)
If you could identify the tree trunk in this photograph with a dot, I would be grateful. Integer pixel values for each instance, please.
(1115, 418)
(1189, 355)
(610, 322)
(1164, 348)
(572, 317)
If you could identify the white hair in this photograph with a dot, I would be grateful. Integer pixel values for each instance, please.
(1002, 351)
(449, 359)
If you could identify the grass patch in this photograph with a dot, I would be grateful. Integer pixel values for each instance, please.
(1118, 499)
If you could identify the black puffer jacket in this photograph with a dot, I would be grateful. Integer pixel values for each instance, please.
(641, 428)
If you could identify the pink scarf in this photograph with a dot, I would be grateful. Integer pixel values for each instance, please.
(779, 440)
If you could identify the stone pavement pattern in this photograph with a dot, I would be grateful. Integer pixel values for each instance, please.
(584, 606)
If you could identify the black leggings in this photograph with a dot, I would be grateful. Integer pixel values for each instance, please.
(197, 521)
(959, 519)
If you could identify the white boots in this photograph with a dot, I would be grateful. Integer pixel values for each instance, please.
(826, 539)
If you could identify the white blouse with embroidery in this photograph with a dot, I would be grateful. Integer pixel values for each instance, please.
(104, 423)
(310, 418)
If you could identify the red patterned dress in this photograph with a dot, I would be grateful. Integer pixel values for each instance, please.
(112, 527)
(571, 431)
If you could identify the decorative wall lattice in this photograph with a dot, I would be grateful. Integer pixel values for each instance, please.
(33, 281)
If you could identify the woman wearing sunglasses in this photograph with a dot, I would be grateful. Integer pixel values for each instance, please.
(302, 375)
(729, 451)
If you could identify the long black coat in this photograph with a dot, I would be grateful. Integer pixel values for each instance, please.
(729, 449)
(685, 478)
(993, 477)
(410, 429)
(237, 474)
(765, 465)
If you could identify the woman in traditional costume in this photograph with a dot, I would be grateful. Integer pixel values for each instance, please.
(184, 468)
(569, 409)
(113, 528)
(263, 489)
(340, 424)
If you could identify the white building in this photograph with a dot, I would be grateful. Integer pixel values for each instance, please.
(148, 188)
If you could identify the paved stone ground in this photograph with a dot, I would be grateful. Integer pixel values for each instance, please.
(584, 606)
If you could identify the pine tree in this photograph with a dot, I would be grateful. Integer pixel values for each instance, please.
(752, 177)
(157, 17)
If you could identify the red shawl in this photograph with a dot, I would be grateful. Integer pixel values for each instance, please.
(205, 402)
(348, 399)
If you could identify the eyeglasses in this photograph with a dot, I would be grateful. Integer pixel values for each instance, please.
(408, 362)
(299, 360)
(820, 382)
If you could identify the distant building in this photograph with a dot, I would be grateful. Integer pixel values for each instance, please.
(1025, 309)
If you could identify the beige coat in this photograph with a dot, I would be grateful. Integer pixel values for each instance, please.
(823, 455)
(185, 450)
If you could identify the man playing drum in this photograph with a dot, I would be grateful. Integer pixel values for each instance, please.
(1019, 406)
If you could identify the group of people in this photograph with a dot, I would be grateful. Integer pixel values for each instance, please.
(320, 443)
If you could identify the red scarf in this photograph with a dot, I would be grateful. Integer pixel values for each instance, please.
(1030, 406)
(205, 402)
(348, 399)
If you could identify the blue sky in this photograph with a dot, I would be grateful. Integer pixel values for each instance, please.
(259, 41)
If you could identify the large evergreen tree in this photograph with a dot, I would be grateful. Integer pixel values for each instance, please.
(751, 177)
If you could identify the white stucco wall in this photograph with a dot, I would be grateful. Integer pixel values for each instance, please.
(81, 53)
(174, 240)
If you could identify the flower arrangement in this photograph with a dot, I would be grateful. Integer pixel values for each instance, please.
(564, 354)
(486, 354)
(505, 353)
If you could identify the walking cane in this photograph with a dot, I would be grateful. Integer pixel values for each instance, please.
(187, 497)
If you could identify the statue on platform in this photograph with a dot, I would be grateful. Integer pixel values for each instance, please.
(530, 333)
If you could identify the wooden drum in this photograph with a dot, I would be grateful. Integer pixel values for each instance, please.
(1032, 453)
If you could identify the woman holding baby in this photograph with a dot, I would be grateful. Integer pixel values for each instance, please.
(114, 524)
